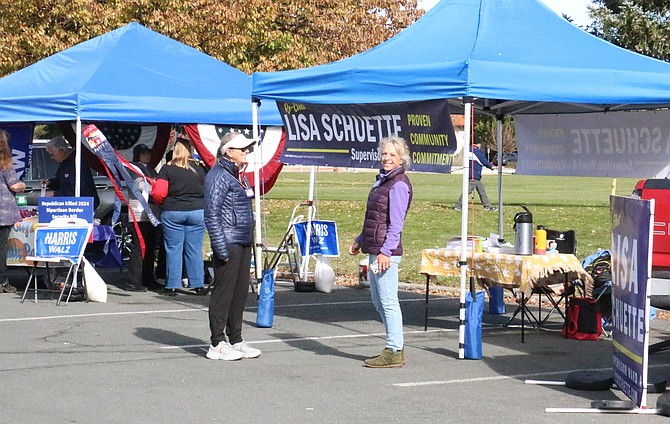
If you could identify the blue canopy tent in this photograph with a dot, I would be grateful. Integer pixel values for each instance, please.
(132, 74)
(495, 56)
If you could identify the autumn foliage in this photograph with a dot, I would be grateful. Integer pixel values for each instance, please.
(251, 35)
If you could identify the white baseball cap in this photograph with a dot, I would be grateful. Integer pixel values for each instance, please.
(238, 142)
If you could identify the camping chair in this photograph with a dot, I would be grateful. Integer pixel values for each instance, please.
(603, 296)
(60, 244)
(556, 288)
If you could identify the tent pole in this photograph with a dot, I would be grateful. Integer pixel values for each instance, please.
(77, 160)
(464, 227)
(257, 194)
(308, 230)
(500, 169)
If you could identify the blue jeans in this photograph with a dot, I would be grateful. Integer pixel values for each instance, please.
(384, 291)
(183, 235)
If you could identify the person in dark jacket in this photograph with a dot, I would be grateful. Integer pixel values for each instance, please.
(387, 206)
(230, 223)
(63, 183)
(477, 160)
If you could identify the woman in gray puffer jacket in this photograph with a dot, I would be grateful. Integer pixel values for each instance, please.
(230, 223)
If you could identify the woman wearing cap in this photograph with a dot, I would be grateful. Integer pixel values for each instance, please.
(387, 206)
(9, 212)
(182, 213)
(230, 224)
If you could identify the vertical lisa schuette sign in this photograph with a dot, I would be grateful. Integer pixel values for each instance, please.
(348, 135)
(631, 265)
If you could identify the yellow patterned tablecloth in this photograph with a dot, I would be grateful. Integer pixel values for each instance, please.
(523, 271)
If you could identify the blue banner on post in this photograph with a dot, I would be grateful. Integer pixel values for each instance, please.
(50, 208)
(323, 240)
(20, 141)
(631, 264)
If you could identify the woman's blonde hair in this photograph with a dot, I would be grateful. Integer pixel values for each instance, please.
(400, 146)
(181, 153)
(5, 150)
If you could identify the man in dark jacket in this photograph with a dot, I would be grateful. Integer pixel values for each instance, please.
(230, 223)
(63, 184)
(477, 160)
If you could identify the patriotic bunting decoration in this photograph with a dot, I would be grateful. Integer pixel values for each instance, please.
(207, 139)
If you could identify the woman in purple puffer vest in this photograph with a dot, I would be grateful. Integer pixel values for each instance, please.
(387, 206)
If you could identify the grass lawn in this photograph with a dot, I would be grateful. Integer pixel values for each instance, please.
(559, 203)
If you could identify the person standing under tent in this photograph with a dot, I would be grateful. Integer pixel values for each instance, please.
(182, 214)
(63, 183)
(387, 206)
(141, 270)
(9, 212)
(230, 223)
(477, 160)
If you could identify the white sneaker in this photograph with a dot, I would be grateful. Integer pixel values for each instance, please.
(225, 352)
(246, 350)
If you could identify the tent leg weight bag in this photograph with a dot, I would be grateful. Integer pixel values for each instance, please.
(589, 380)
(613, 405)
(663, 404)
(304, 286)
(656, 385)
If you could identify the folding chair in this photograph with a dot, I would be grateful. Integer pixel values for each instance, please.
(556, 288)
(61, 244)
(603, 296)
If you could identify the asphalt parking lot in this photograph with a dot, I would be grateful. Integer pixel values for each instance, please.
(140, 358)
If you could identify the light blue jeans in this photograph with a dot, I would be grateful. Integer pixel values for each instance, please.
(183, 235)
(384, 291)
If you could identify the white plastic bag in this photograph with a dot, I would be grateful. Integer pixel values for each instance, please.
(324, 276)
(96, 289)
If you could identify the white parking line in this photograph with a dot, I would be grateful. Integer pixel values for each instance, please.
(164, 311)
(300, 339)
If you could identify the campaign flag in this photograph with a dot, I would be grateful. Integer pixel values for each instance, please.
(20, 140)
(349, 135)
(207, 139)
(123, 138)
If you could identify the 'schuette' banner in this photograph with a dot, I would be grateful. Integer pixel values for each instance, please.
(614, 144)
(348, 135)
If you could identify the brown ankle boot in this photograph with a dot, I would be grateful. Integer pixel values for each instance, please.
(388, 359)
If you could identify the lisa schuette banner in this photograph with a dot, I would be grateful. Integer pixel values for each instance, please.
(348, 135)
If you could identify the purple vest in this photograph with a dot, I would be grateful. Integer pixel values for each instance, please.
(377, 219)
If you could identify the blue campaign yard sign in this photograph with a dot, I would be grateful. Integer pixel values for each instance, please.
(67, 242)
(323, 240)
(50, 208)
(631, 266)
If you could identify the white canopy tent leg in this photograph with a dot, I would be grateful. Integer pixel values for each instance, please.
(464, 228)
(308, 230)
(77, 160)
(500, 169)
(257, 195)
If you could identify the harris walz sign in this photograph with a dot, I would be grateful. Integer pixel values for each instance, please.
(348, 135)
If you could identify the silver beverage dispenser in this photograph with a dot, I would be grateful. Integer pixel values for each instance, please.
(523, 232)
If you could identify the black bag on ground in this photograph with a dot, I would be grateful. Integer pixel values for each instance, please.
(582, 320)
